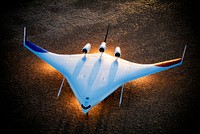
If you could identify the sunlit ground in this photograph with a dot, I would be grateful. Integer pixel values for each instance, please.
(146, 30)
(144, 81)
(44, 68)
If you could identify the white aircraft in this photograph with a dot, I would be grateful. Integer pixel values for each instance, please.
(93, 77)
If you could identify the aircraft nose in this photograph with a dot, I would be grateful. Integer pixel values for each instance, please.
(85, 107)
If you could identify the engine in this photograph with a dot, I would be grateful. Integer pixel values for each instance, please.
(86, 48)
(102, 47)
(117, 52)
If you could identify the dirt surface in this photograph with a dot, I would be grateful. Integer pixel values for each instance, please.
(147, 31)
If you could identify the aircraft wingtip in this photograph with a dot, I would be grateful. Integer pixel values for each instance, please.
(24, 35)
(182, 58)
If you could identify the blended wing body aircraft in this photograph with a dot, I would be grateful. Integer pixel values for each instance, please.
(93, 77)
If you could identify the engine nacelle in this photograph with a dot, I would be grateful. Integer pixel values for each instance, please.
(102, 47)
(117, 52)
(86, 48)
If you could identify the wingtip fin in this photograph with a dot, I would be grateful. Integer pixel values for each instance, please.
(24, 35)
(183, 53)
(172, 62)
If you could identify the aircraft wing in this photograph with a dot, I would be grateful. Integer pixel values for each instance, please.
(65, 64)
(93, 77)
(114, 73)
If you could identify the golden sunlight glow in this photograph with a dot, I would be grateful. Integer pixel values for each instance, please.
(149, 82)
(47, 67)
(110, 52)
(96, 110)
(74, 104)
(94, 49)
(144, 81)
(44, 68)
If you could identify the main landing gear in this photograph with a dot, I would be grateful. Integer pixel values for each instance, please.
(120, 100)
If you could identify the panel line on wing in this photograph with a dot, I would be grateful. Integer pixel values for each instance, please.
(113, 71)
(79, 67)
(94, 73)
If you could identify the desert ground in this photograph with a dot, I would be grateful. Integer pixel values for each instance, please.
(147, 31)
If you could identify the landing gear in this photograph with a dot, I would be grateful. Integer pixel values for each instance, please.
(120, 100)
(60, 87)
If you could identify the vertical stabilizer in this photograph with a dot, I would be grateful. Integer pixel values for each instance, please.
(183, 53)
(107, 33)
(24, 35)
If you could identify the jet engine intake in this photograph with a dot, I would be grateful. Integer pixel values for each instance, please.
(102, 47)
(117, 52)
(86, 48)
